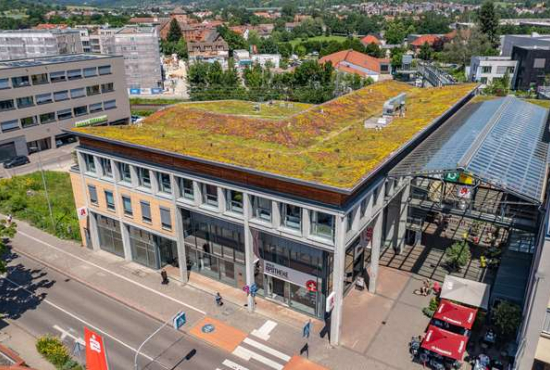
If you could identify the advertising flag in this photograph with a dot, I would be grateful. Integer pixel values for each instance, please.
(95, 351)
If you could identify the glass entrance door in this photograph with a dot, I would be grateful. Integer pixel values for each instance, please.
(278, 290)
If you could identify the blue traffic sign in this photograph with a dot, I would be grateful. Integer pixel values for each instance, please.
(179, 320)
(208, 328)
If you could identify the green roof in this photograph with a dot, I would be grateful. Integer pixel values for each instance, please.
(325, 144)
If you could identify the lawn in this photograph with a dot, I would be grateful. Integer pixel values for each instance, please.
(296, 42)
(276, 109)
(24, 198)
(156, 101)
(539, 102)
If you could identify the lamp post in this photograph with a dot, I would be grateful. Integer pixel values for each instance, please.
(44, 183)
(148, 338)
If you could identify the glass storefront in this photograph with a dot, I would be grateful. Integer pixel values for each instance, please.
(354, 263)
(152, 250)
(110, 237)
(214, 248)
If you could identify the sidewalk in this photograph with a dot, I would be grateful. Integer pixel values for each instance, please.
(141, 289)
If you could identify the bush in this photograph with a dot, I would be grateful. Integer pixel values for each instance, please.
(53, 350)
(507, 319)
(458, 255)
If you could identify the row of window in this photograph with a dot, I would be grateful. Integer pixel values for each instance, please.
(47, 98)
(322, 224)
(53, 77)
(60, 115)
(165, 217)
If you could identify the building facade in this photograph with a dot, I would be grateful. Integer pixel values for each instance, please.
(40, 97)
(22, 44)
(485, 69)
(533, 65)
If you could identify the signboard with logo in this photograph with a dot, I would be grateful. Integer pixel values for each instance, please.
(156, 90)
(135, 91)
(95, 351)
(464, 192)
(292, 276)
(91, 121)
(82, 213)
(459, 177)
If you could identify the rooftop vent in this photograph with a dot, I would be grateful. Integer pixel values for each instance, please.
(394, 107)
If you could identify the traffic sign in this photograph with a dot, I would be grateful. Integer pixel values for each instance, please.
(179, 320)
(208, 328)
(306, 330)
(253, 289)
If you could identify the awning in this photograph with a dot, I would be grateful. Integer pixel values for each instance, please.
(455, 314)
(465, 291)
(445, 343)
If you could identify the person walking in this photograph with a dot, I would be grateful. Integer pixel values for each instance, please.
(164, 277)
(219, 300)
(10, 218)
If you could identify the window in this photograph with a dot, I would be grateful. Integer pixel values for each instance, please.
(64, 114)
(104, 70)
(80, 111)
(486, 69)
(108, 87)
(164, 183)
(78, 93)
(20, 81)
(483, 80)
(93, 194)
(210, 195)
(145, 211)
(89, 163)
(28, 121)
(110, 104)
(546, 324)
(539, 63)
(322, 224)
(144, 178)
(186, 189)
(165, 219)
(110, 200)
(511, 70)
(106, 168)
(6, 105)
(61, 95)
(44, 98)
(262, 208)
(234, 201)
(92, 90)
(25, 102)
(349, 221)
(40, 79)
(9, 125)
(74, 74)
(125, 173)
(127, 205)
(47, 117)
(97, 107)
(4, 83)
(57, 76)
(90, 72)
(292, 216)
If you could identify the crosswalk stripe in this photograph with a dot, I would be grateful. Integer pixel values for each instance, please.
(267, 349)
(234, 366)
(264, 330)
(247, 355)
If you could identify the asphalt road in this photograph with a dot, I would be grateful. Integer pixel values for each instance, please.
(44, 301)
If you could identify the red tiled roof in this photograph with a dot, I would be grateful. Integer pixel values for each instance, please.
(49, 26)
(370, 39)
(341, 59)
(430, 39)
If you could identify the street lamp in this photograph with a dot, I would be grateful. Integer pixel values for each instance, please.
(148, 338)
(44, 182)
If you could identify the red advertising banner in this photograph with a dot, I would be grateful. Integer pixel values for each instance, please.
(95, 351)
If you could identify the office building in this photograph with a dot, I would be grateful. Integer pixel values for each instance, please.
(22, 44)
(485, 69)
(533, 66)
(39, 97)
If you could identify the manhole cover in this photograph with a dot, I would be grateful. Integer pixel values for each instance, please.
(208, 328)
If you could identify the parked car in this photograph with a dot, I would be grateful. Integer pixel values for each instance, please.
(16, 161)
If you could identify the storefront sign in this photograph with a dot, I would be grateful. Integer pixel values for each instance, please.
(459, 177)
(292, 276)
(91, 121)
(331, 299)
(82, 213)
(95, 351)
(464, 192)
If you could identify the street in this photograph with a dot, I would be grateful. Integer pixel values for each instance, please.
(44, 301)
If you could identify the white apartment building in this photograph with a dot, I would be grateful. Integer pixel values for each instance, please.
(485, 69)
(22, 44)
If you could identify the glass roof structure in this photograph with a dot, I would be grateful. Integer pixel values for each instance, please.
(502, 142)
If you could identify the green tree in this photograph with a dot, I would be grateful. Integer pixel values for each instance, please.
(425, 52)
(374, 50)
(7, 231)
(488, 22)
(181, 49)
(395, 32)
(458, 255)
(268, 46)
(174, 32)
(507, 319)
(461, 49)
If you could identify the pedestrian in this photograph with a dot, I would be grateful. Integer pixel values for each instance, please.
(219, 300)
(9, 219)
(164, 276)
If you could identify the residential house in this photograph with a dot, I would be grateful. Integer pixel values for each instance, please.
(351, 61)
(211, 48)
(486, 69)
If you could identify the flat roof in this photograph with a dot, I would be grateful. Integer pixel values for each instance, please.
(326, 144)
(54, 59)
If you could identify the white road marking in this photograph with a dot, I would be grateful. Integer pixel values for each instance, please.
(267, 349)
(65, 333)
(247, 354)
(265, 329)
(114, 273)
(87, 323)
(233, 366)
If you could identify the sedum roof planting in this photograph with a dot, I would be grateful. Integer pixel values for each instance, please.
(325, 144)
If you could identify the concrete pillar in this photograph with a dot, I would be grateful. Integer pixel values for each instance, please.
(276, 214)
(306, 222)
(126, 243)
(94, 235)
(338, 272)
(375, 252)
(180, 240)
(403, 216)
(248, 249)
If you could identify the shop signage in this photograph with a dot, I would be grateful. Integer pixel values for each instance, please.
(464, 192)
(292, 276)
(330, 302)
(459, 177)
(91, 121)
(135, 91)
(311, 285)
(82, 213)
(95, 351)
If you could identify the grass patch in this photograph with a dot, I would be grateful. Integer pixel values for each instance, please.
(278, 109)
(24, 197)
(142, 112)
(296, 42)
(539, 102)
(159, 101)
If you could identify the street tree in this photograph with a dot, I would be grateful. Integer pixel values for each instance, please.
(7, 231)
(174, 32)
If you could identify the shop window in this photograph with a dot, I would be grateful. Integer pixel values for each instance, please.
(186, 188)
(125, 172)
(20, 81)
(61, 95)
(74, 74)
(127, 206)
(110, 200)
(78, 93)
(108, 87)
(210, 195)
(165, 219)
(47, 117)
(106, 168)
(90, 72)
(292, 216)
(24, 102)
(44, 98)
(80, 111)
(165, 185)
(10, 125)
(144, 177)
(93, 194)
(234, 201)
(93, 90)
(64, 114)
(40, 79)
(89, 163)
(322, 225)
(57, 76)
(145, 211)
(28, 121)
(6, 105)
(110, 236)
(261, 208)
